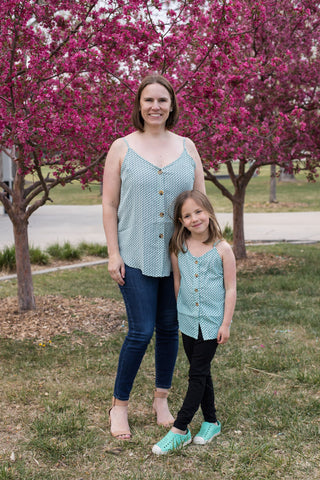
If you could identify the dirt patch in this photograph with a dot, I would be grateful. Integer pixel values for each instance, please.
(57, 315)
(263, 261)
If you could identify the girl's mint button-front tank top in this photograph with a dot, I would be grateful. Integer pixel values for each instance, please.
(147, 198)
(202, 294)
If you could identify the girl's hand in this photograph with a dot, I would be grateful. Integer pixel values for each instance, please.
(223, 334)
(116, 269)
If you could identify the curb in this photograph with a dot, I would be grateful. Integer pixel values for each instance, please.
(57, 269)
(102, 262)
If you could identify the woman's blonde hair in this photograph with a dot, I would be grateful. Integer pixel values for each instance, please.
(136, 117)
(181, 234)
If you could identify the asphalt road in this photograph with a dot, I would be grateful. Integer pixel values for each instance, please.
(57, 223)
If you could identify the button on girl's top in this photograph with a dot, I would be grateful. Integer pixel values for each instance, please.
(146, 207)
(201, 295)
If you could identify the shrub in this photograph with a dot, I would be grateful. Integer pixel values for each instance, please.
(8, 259)
(228, 233)
(38, 257)
(94, 249)
(64, 252)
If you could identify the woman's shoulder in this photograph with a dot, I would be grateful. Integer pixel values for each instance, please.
(117, 151)
(179, 138)
(189, 142)
(192, 150)
(120, 145)
(131, 136)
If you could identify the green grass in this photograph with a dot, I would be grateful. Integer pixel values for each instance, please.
(292, 196)
(88, 282)
(55, 399)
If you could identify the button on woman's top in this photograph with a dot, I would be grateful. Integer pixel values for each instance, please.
(201, 295)
(145, 210)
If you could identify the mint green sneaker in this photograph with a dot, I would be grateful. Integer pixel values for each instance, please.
(207, 432)
(172, 441)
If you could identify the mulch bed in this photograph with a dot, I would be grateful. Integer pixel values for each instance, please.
(57, 315)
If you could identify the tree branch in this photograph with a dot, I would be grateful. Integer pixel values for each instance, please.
(59, 181)
(215, 181)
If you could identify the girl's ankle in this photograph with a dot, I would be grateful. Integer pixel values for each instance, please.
(178, 431)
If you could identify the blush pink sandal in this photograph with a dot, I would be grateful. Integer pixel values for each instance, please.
(163, 418)
(121, 434)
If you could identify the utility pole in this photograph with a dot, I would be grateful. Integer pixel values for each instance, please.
(273, 184)
(6, 170)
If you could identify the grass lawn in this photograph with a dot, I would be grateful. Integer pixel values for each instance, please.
(292, 196)
(55, 397)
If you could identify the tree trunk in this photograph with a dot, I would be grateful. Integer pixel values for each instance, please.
(239, 246)
(25, 285)
(240, 183)
(19, 217)
(273, 184)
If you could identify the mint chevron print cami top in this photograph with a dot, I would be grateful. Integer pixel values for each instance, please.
(201, 295)
(146, 206)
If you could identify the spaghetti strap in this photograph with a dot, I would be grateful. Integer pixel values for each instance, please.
(216, 243)
(126, 142)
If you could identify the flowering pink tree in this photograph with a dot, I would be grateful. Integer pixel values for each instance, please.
(246, 73)
(63, 76)
(272, 96)
(69, 71)
(249, 87)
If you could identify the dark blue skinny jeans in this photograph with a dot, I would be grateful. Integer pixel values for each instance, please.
(151, 305)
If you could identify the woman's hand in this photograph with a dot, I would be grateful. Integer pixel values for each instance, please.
(116, 269)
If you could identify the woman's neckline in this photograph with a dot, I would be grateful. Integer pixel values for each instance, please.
(158, 167)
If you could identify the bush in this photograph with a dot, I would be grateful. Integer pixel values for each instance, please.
(56, 251)
(8, 259)
(94, 249)
(64, 252)
(228, 233)
(38, 257)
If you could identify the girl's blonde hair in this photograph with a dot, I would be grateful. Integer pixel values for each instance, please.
(181, 234)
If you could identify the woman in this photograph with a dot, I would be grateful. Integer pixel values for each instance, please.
(144, 173)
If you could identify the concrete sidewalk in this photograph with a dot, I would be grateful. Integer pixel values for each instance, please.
(57, 223)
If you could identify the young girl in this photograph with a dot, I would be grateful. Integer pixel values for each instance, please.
(204, 272)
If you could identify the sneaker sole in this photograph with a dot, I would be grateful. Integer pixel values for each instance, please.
(201, 441)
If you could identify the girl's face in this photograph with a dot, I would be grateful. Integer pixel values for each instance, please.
(195, 218)
(155, 104)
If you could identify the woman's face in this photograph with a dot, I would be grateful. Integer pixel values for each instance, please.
(155, 105)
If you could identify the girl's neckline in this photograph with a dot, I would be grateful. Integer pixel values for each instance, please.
(153, 164)
(205, 253)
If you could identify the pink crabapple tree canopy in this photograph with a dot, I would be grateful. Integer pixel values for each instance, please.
(246, 74)
(248, 78)
(64, 96)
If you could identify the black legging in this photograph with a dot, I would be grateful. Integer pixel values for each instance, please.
(200, 354)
